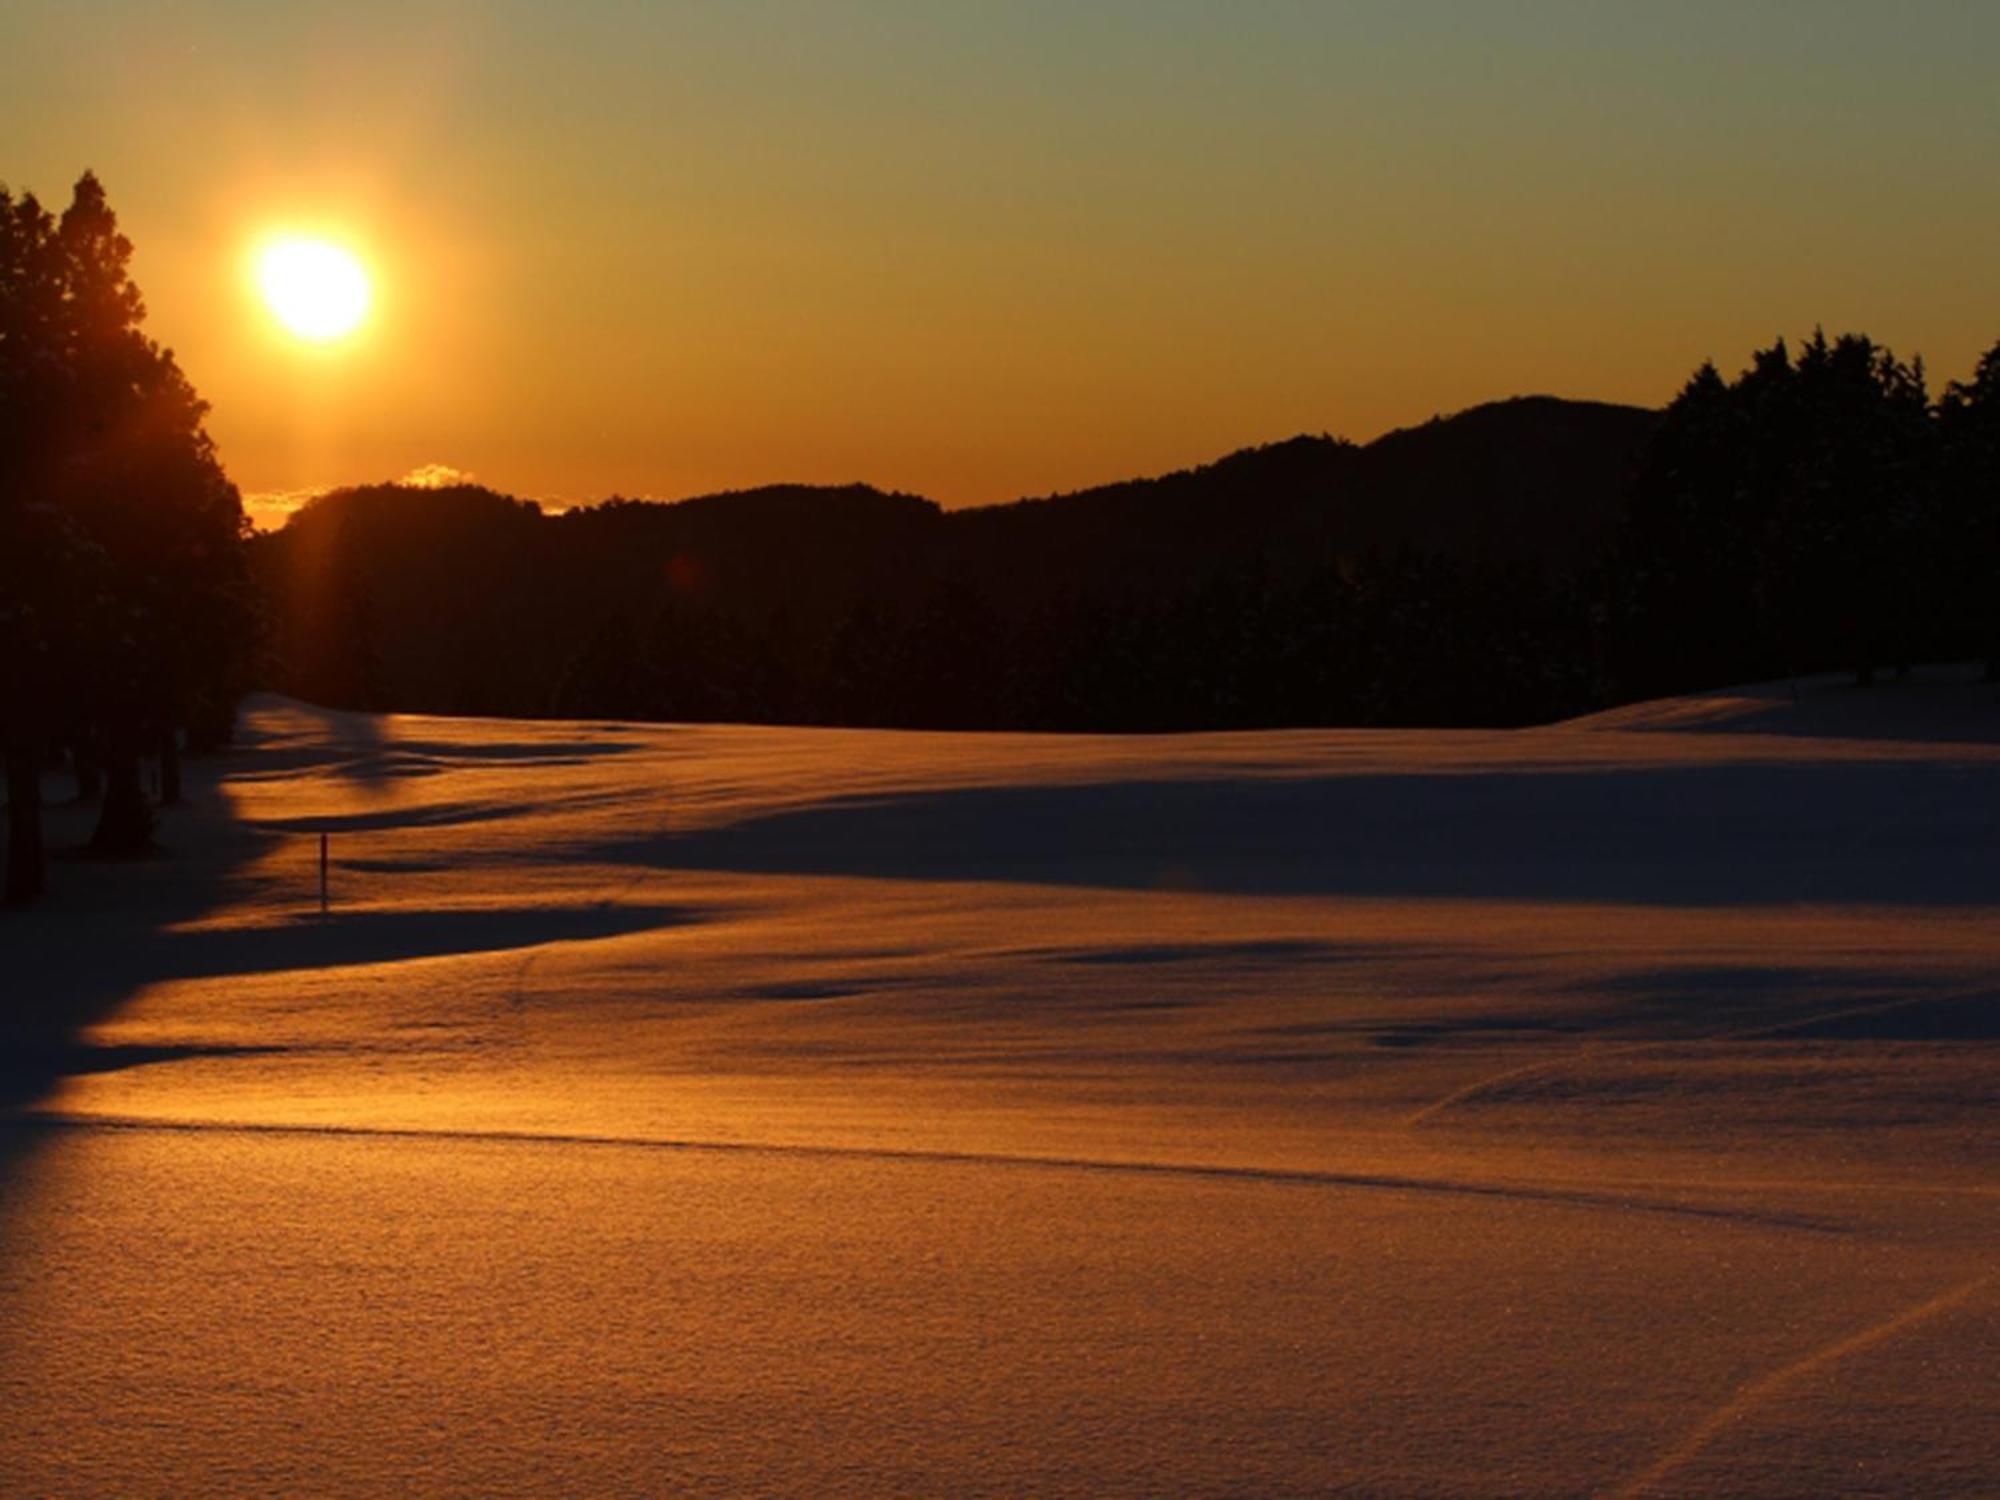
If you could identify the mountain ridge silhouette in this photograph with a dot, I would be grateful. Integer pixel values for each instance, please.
(1414, 464)
(1226, 593)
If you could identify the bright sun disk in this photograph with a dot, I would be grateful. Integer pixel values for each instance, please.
(315, 288)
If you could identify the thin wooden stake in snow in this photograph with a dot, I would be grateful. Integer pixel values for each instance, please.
(322, 874)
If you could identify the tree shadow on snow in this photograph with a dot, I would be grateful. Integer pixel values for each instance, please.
(109, 928)
(1904, 833)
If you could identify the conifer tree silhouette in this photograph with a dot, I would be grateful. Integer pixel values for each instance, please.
(1968, 521)
(125, 599)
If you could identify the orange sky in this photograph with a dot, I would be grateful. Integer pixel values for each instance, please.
(978, 251)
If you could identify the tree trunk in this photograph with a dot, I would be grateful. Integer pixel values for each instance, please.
(125, 822)
(170, 768)
(88, 771)
(24, 827)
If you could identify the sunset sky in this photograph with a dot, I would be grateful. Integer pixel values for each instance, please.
(983, 250)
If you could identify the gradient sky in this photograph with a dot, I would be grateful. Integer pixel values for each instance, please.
(980, 250)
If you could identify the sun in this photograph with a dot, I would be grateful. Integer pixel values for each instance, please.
(317, 289)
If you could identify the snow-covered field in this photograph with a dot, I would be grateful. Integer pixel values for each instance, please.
(1607, 1108)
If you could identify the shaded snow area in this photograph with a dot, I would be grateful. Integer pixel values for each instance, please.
(1601, 1109)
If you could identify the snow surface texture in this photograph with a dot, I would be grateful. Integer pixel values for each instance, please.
(1607, 1108)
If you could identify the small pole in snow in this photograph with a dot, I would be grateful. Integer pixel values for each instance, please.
(322, 874)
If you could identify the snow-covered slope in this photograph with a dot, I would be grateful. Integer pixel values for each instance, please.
(734, 1109)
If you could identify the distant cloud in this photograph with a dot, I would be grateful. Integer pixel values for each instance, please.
(270, 509)
(436, 477)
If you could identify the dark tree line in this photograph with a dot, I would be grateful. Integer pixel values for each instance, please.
(1433, 579)
(1816, 513)
(1406, 640)
(1251, 592)
(125, 606)
(1515, 563)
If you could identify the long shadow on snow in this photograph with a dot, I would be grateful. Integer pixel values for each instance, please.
(101, 933)
(371, 937)
(1917, 833)
(109, 929)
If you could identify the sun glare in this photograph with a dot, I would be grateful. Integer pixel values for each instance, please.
(315, 288)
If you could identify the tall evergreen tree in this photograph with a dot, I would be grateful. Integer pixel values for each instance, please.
(144, 482)
(36, 538)
(125, 587)
(1855, 479)
(1778, 522)
(1693, 539)
(1968, 520)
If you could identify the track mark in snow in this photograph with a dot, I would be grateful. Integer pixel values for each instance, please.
(1276, 1176)
(1766, 1386)
(1598, 1051)
(1527, 1070)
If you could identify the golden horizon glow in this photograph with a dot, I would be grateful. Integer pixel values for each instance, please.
(316, 289)
(977, 252)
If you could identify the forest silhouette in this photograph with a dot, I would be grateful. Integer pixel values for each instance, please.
(126, 619)
(1514, 563)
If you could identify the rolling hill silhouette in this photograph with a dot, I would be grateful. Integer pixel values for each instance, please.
(1534, 480)
(1153, 603)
